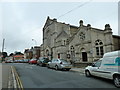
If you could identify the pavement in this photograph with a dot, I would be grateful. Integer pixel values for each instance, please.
(5, 76)
(0, 76)
(6, 79)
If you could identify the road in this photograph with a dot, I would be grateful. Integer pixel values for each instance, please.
(33, 76)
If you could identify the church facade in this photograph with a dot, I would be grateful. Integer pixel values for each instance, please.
(79, 44)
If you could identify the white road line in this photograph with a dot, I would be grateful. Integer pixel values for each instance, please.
(9, 82)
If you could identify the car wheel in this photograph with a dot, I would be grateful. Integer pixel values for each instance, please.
(56, 67)
(116, 80)
(41, 64)
(68, 69)
(48, 66)
(87, 73)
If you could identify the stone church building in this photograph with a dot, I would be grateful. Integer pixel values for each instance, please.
(79, 44)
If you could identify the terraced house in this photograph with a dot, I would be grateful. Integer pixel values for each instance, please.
(80, 44)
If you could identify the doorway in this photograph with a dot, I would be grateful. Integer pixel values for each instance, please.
(84, 56)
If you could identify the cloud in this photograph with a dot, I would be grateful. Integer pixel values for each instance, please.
(58, 0)
(17, 30)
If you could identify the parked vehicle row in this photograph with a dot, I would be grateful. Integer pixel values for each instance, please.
(9, 61)
(58, 64)
(17, 61)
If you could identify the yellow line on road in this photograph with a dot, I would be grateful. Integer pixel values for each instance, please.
(19, 82)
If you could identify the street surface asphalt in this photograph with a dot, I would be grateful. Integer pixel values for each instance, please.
(33, 76)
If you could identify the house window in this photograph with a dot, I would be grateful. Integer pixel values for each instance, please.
(67, 42)
(99, 48)
(64, 42)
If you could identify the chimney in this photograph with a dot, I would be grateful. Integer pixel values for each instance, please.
(81, 22)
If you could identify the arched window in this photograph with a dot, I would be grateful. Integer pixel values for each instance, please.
(47, 52)
(99, 47)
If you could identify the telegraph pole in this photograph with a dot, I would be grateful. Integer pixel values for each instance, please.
(3, 47)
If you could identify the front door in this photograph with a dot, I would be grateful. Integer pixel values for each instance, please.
(84, 56)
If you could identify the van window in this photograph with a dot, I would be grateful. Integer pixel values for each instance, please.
(98, 63)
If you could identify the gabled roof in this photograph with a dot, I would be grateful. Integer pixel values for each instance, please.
(62, 34)
(49, 22)
(46, 22)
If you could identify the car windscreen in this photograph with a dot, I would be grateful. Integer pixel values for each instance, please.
(46, 60)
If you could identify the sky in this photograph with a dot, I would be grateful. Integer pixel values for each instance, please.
(21, 21)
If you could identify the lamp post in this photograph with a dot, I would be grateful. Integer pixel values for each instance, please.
(34, 41)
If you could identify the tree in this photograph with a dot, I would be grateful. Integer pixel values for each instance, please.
(18, 53)
(4, 54)
(11, 54)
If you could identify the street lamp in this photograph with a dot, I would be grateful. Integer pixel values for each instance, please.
(34, 41)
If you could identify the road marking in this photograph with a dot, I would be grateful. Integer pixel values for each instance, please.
(9, 78)
(17, 81)
(14, 81)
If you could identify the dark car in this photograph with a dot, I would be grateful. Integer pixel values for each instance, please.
(43, 61)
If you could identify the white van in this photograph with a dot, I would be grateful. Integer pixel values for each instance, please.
(107, 67)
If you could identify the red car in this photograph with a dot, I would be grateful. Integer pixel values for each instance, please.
(33, 61)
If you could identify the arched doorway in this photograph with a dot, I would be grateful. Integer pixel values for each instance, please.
(84, 55)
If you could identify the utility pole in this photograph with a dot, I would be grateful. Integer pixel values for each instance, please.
(3, 47)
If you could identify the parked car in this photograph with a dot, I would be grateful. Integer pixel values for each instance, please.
(59, 64)
(9, 61)
(26, 60)
(33, 61)
(15, 61)
(43, 61)
(21, 61)
(107, 67)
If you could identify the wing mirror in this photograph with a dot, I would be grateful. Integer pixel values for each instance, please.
(93, 65)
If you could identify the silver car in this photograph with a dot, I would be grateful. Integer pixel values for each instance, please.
(60, 64)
